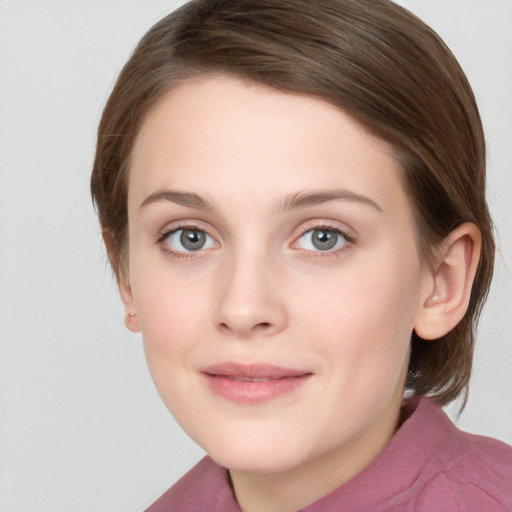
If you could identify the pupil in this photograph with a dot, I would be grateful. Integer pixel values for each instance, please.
(192, 240)
(324, 239)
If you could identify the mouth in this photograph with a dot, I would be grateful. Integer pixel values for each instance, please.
(253, 383)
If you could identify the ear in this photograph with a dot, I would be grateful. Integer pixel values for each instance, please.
(123, 282)
(445, 304)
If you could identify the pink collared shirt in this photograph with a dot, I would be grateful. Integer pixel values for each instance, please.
(428, 466)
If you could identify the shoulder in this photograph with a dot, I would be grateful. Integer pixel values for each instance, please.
(472, 475)
(205, 488)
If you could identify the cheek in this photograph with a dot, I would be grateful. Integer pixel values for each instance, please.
(364, 315)
(170, 314)
(170, 325)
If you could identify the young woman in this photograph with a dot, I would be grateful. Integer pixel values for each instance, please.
(292, 199)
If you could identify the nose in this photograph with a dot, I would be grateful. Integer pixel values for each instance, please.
(250, 301)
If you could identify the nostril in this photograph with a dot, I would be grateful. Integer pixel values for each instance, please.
(262, 326)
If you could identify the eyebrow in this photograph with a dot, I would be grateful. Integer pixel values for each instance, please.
(305, 199)
(188, 199)
(289, 203)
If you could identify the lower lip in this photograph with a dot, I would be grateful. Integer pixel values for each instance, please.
(254, 391)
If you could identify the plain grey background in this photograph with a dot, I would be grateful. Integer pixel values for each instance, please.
(81, 427)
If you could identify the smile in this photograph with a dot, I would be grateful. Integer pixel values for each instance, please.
(253, 384)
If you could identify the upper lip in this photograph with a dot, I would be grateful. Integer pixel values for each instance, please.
(252, 371)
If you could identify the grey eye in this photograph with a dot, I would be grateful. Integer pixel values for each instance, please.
(192, 240)
(322, 240)
(189, 240)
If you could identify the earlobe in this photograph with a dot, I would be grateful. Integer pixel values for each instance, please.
(453, 274)
(130, 317)
(123, 282)
(131, 321)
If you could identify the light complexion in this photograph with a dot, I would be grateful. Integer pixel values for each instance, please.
(275, 277)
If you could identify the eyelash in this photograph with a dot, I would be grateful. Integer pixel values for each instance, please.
(350, 240)
(164, 235)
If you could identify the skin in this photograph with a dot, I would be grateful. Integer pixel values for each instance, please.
(260, 291)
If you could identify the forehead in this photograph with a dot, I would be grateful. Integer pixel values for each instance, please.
(223, 135)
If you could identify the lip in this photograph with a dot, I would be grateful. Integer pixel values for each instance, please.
(253, 383)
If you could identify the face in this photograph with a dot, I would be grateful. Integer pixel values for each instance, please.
(274, 273)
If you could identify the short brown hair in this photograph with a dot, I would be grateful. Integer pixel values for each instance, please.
(372, 59)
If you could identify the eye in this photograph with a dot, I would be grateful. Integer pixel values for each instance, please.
(188, 240)
(322, 239)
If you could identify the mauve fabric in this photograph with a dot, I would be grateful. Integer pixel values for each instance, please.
(428, 466)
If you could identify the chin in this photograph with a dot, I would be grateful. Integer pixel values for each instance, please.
(262, 463)
(256, 455)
